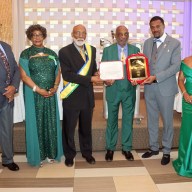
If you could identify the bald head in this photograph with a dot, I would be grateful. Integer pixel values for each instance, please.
(122, 35)
(79, 34)
(79, 27)
(121, 28)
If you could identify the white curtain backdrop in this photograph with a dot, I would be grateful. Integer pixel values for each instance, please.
(19, 45)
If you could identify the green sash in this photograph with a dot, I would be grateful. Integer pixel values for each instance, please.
(70, 87)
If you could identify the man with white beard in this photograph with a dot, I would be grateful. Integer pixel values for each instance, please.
(79, 71)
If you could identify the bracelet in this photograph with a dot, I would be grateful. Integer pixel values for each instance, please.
(184, 92)
(34, 88)
(56, 85)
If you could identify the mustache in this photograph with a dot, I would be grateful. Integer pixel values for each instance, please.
(80, 39)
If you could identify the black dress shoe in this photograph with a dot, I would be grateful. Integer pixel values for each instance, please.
(69, 162)
(128, 155)
(109, 155)
(12, 166)
(150, 153)
(165, 159)
(89, 159)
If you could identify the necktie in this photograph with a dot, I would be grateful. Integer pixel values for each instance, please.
(82, 54)
(123, 55)
(7, 66)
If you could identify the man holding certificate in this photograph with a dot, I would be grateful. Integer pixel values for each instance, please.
(120, 91)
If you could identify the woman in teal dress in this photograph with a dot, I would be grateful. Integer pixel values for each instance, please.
(183, 164)
(40, 72)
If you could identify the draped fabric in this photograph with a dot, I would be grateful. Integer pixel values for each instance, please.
(183, 164)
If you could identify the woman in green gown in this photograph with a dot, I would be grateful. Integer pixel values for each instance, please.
(40, 72)
(183, 164)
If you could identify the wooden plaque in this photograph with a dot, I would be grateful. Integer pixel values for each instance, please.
(137, 67)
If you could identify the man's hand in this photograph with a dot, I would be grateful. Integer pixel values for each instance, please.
(9, 92)
(109, 82)
(96, 79)
(149, 80)
(134, 83)
(97, 73)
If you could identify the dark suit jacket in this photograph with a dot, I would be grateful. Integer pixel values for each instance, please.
(15, 74)
(71, 62)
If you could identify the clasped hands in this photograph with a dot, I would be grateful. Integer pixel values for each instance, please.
(9, 92)
(47, 93)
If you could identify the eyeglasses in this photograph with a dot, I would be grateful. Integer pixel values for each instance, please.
(37, 35)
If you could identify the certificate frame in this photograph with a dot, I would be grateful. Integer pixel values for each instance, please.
(137, 67)
(111, 70)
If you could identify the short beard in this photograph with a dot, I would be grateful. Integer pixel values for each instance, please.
(79, 42)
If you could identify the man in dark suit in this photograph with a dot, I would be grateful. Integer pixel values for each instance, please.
(120, 92)
(79, 71)
(9, 84)
(164, 55)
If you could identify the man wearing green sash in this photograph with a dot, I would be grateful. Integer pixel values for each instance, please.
(79, 71)
(120, 92)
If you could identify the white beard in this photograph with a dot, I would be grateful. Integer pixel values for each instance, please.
(79, 42)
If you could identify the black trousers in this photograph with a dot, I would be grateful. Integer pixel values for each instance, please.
(70, 119)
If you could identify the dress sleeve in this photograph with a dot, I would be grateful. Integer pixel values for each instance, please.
(182, 65)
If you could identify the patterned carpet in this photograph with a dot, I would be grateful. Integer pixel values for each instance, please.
(118, 176)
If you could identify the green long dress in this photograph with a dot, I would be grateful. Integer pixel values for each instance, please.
(183, 164)
(43, 130)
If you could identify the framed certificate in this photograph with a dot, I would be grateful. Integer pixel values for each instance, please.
(137, 67)
(111, 70)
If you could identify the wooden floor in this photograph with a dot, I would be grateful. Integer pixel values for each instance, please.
(141, 175)
(120, 175)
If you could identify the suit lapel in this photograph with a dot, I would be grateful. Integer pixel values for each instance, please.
(164, 45)
(75, 53)
(150, 47)
(115, 53)
(130, 50)
(2, 64)
(7, 56)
